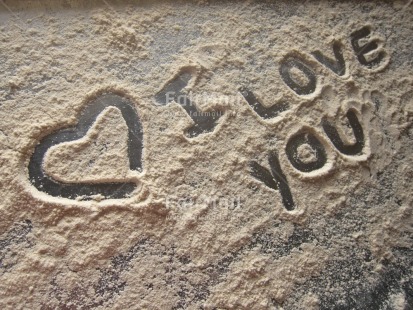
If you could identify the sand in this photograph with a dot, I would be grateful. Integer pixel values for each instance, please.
(240, 197)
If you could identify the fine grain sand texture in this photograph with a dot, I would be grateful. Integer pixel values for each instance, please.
(206, 155)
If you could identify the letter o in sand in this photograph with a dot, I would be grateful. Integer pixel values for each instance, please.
(300, 88)
(306, 152)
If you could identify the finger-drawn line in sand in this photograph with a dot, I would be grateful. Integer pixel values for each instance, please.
(337, 65)
(352, 149)
(275, 179)
(364, 49)
(115, 190)
(262, 111)
(204, 122)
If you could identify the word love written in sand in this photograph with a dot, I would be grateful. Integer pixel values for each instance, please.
(305, 150)
(297, 73)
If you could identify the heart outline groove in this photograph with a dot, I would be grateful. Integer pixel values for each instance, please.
(111, 190)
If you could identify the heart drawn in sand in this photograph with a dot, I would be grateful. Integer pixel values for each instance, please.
(97, 157)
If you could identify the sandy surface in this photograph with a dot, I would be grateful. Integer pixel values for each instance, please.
(206, 155)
